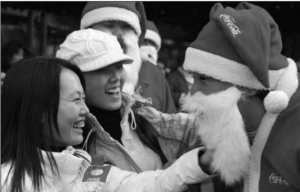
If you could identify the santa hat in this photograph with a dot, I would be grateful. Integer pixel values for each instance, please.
(152, 34)
(243, 47)
(131, 12)
(91, 49)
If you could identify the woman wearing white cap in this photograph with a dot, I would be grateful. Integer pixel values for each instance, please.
(127, 140)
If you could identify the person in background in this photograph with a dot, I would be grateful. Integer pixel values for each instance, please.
(163, 59)
(11, 53)
(151, 44)
(242, 79)
(128, 21)
(180, 81)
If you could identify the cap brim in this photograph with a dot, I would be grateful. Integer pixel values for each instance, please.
(127, 61)
(105, 61)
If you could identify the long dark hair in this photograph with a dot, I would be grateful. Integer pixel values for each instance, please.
(31, 92)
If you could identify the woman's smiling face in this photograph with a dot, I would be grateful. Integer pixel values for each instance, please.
(104, 86)
(71, 110)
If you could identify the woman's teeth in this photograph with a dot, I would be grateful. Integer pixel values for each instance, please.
(114, 91)
(79, 125)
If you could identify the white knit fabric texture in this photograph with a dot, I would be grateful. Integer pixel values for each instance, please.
(91, 49)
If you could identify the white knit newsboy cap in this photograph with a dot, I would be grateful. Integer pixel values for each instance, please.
(91, 49)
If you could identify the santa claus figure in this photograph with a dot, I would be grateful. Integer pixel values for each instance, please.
(247, 98)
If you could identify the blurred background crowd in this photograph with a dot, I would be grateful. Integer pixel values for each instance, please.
(38, 28)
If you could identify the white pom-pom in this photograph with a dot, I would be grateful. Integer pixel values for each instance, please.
(276, 101)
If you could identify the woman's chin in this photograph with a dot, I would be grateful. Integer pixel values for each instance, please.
(113, 105)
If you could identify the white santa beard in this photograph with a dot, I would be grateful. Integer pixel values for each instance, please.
(132, 70)
(222, 128)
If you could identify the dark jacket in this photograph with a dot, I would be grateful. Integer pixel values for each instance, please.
(178, 85)
(275, 160)
(280, 160)
(154, 85)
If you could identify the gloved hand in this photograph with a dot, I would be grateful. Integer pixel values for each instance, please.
(205, 159)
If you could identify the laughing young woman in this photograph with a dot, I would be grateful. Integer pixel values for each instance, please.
(43, 111)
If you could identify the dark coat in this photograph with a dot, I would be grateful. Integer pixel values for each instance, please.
(155, 86)
(178, 85)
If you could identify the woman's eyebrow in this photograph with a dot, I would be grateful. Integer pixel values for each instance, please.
(75, 93)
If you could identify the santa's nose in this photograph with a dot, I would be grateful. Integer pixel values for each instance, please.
(193, 90)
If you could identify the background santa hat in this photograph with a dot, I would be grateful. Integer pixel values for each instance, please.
(243, 46)
(152, 34)
(131, 12)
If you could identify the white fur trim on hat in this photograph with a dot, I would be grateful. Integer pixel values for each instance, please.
(276, 101)
(226, 70)
(111, 13)
(288, 84)
(152, 35)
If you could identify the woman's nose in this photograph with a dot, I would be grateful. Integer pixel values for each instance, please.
(116, 75)
(195, 87)
(84, 109)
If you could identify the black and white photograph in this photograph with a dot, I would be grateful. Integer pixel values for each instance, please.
(150, 96)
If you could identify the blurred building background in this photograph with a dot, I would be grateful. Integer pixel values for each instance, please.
(41, 26)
